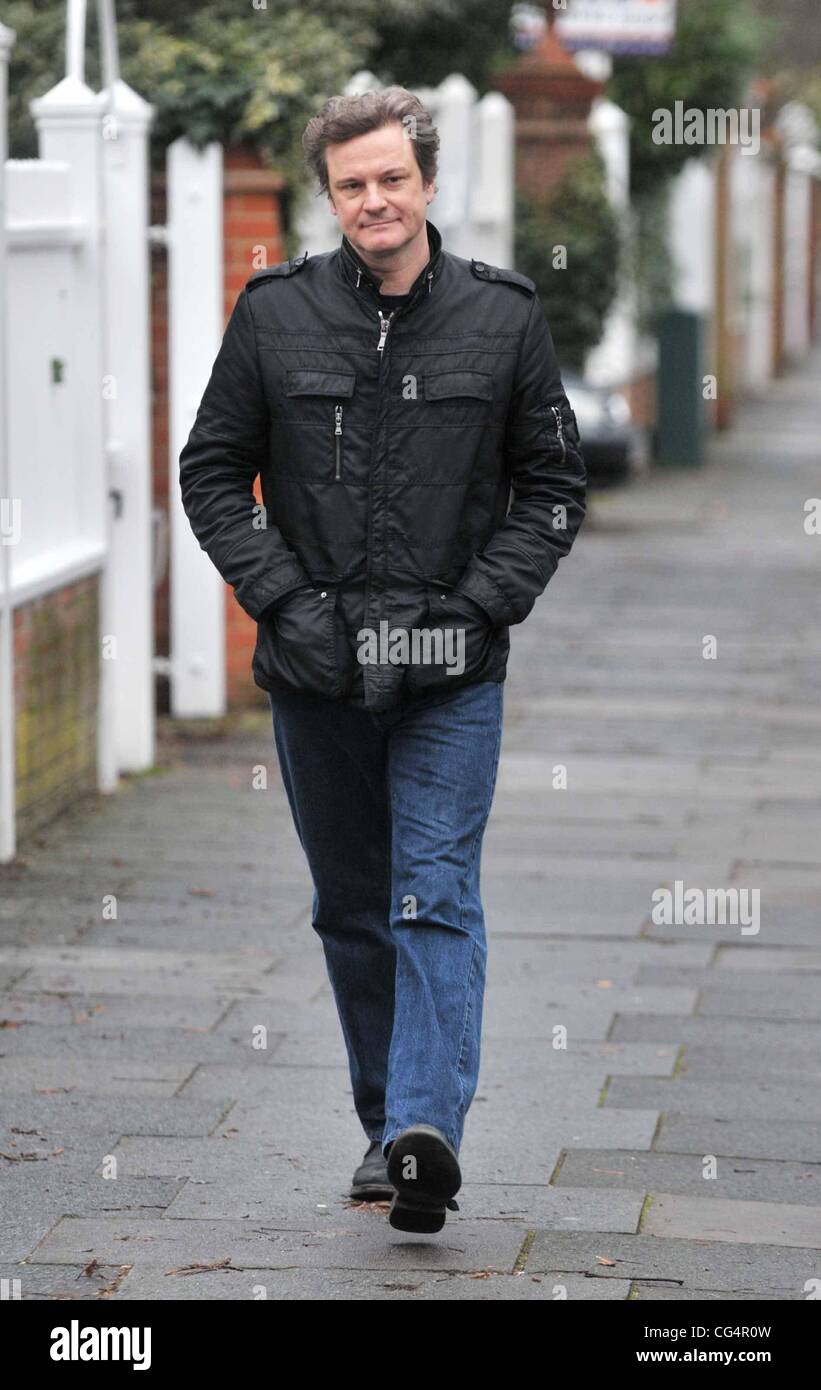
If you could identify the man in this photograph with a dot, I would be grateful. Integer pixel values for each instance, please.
(390, 395)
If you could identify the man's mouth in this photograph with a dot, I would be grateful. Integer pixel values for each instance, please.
(386, 223)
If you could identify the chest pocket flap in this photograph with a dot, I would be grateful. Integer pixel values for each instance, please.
(443, 385)
(310, 381)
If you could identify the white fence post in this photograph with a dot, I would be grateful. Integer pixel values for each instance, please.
(7, 719)
(799, 130)
(489, 235)
(452, 105)
(127, 368)
(613, 361)
(195, 330)
(692, 237)
(752, 185)
(68, 125)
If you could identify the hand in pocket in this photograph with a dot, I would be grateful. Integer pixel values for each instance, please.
(462, 634)
(303, 641)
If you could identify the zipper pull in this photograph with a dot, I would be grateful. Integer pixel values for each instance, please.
(430, 280)
(338, 434)
(560, 430)
(358, 277)
(384, 325)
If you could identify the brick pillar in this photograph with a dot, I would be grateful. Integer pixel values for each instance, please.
(251, 219)
(552, 101)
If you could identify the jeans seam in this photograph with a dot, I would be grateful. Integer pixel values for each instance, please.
(479, 832)
(474, 955)
(471, 977)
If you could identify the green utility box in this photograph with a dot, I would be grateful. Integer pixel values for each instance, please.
(680, 390)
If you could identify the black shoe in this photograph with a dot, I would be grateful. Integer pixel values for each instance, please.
(370, 1181)
(421, 1201)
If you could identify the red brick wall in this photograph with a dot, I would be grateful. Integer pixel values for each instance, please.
(252, 238)
(251, 220)
(56, 691)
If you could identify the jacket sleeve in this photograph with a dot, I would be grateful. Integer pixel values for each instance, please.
(225, 451)
(548, 477)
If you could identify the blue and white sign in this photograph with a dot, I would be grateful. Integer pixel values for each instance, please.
(618, 26)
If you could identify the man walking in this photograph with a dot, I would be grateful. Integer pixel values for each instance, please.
(421, 477)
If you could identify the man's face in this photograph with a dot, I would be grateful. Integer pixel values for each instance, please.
(376, 190)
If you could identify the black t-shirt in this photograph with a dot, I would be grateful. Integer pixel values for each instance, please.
(387, 302)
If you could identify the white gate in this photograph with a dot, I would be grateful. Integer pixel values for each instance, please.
(75, 464)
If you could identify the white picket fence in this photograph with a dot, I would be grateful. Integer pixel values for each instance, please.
(751, 263)
(75, 458)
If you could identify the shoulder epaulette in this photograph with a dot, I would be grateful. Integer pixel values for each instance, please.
(284, 268)
(510, 277)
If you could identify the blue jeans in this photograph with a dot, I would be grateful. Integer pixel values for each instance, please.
(390, 809)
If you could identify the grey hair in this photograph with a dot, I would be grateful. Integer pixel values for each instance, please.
(344, 117)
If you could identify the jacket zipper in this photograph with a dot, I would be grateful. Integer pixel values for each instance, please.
(384, 325)
(338, 440)
(560, 431)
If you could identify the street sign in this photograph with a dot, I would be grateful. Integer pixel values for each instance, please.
(618, 26)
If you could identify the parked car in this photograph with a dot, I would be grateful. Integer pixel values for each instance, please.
(614, 448)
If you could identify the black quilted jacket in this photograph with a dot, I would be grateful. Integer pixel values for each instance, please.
(418, 471)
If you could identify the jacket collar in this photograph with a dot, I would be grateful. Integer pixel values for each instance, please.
(357, 273)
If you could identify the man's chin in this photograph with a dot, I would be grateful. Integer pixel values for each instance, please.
(377, 228)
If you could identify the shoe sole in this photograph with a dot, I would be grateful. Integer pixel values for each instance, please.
(420, 1203)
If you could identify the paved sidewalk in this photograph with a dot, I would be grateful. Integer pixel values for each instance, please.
(149, 1149)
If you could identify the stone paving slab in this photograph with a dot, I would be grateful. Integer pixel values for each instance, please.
(799, 1000)
(21, 1075)
(659, 1293)
(739, 1137)
(20, 1010)
(97, 1039)
(43, 1282)
(760, 1036)
(592, 961)
(767, 959)
(591, 1008)
(161, 981)
(349, 1240)
(715, 1218)
(720, 1099)
(354, 1285)
(754, 995)
(783, 926)
(520, 1205)
(744, 1180)
(693, 1265)
(703, 1063)
(81, 1114)
(315, 1087)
